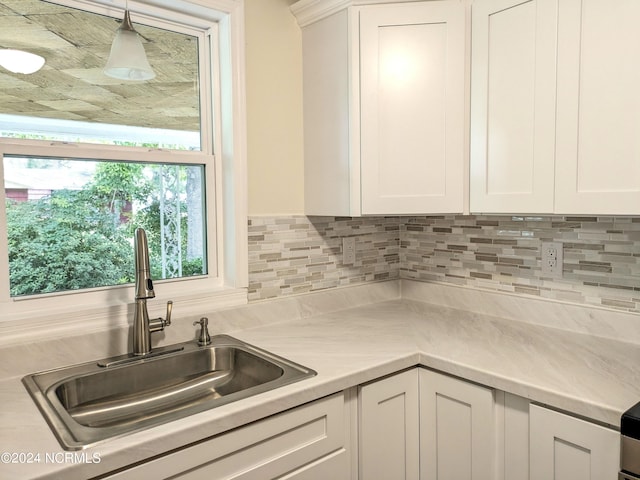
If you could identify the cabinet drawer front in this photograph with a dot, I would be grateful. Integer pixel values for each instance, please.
(264, 449)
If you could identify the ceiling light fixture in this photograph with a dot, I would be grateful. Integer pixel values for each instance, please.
(18, 61)
(128, 60)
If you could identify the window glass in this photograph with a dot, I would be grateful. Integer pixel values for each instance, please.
(70, 99)
(71, 221)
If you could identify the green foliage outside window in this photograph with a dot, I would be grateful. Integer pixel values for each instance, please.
(65, 242)
(76, 239)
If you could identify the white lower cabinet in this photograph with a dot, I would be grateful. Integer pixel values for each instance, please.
(417, 424)
(471, 432)
(457, 429)
(311, 442)
(567, 448)
(420, 424)
(389, 428)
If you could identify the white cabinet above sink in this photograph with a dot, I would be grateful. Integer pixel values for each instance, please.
(384, 107)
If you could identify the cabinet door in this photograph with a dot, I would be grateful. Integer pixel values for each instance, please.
(566, 448)
(598, 116)
(513, 95)
(412, 70)
(457, 434)
(389, 434)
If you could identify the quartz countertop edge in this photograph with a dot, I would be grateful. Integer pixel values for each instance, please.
(588, 376)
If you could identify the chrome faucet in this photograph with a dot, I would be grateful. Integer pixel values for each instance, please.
(142, 325)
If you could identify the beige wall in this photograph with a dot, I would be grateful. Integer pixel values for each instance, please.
(274, 108)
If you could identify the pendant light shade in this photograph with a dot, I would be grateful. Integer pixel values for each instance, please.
(128, 60)
(18, 61)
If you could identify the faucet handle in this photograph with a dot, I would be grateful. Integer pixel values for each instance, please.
(167, 321)
(158, 324)
(203, 338)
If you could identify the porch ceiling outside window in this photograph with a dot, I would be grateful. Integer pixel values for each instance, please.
(72, 85)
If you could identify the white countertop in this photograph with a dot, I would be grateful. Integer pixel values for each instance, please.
(587, 375)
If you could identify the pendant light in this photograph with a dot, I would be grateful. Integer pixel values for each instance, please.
(18, 61)
(128, 60)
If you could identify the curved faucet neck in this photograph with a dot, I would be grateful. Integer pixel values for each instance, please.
(144, 284)
(142, 326)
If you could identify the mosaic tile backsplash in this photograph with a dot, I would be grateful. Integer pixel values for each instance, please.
(301, 254)
(289, 255)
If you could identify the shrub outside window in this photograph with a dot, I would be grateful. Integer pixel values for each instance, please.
(71, 222)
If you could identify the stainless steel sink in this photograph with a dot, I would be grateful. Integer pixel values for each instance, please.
(91, 402)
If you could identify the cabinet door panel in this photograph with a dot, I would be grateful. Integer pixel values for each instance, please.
(327, 183)
(412, 59)
(457, 431)
(566, 448)
(598, 146)
(310, 435)
(513, 105)
(335, 467)
(389, 434)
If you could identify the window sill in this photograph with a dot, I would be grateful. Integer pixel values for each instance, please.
(72, 321)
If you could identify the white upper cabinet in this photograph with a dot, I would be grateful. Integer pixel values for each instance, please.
(384, 107)
(598, 119)
(412, 68)
(555, 107)
(513, 106)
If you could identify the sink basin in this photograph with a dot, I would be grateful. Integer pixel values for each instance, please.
(91, 402)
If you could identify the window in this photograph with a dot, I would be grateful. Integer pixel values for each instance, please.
(70, 222)
(87, 158)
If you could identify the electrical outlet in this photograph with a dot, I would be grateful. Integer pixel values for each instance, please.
(348, 250)
(552, 259)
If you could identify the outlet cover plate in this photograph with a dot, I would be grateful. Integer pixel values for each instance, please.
(551, 257)
(348, 250)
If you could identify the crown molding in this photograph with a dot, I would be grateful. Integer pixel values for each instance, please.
(310, 11)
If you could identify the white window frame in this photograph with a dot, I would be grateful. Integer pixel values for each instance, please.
(221, 23)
